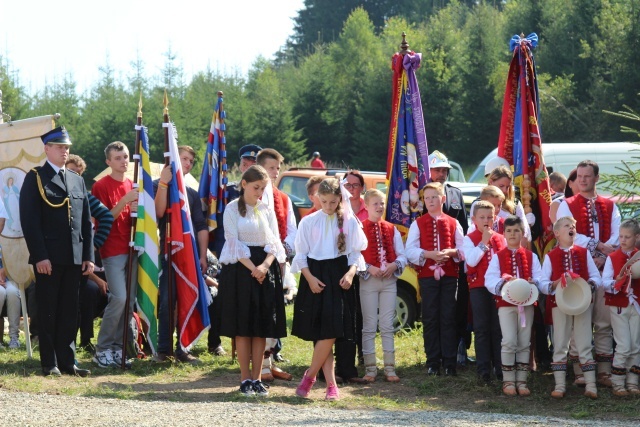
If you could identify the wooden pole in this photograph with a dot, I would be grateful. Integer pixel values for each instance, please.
(134, 215)
(167, 235)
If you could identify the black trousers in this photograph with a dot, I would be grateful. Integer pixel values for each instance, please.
(462, 308)
(92, 304)
(486, 328)
(213, 339)
(439, 320)
(346, 349)
(57, 298)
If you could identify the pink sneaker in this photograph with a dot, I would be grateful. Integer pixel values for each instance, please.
(306, 383)
(332, 392)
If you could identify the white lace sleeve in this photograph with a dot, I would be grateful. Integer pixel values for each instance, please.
(356, 243)
(274, 245)
(233, 248)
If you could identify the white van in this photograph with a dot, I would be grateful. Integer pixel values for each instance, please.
(565, 157)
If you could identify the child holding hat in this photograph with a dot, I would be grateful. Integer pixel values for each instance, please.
(561, 265)
(621, 293)
(514, 300)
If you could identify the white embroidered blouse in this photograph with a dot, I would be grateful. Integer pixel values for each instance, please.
(317, 238)
(257, 228)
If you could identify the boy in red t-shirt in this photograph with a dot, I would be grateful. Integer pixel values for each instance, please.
(116, 192)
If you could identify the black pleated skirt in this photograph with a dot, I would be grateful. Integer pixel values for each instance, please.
(246, 308)
(329, 314)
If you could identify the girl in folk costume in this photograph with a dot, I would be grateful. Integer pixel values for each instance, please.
(622, 298)
(516, 320)
(435, 242)
(328, 248)
(480, 246)
(250, 291)
(385, 261)
(560, 265)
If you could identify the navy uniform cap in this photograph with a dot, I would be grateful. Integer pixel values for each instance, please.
(58, 135)
(250, 150)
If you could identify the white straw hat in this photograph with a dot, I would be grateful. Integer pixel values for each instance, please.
(519, 292)
(634, 266)
(575, 298)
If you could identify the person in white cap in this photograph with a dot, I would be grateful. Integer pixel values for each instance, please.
(514, 262)
(316, 161)
(570, 260)
(439, 168)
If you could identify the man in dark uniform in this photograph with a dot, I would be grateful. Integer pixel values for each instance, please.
(55, 210)
(454, 207)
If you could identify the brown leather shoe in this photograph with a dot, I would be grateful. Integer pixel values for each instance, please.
(591, 394)
(279, 374)
(357, 380)
(188, 358)
(604, 380)
(557, 394)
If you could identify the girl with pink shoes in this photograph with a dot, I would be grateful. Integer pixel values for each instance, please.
(328, 246)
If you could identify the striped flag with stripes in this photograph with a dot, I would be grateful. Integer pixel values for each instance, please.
(146, 243)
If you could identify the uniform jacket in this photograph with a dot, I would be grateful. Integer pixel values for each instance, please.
(62, 237)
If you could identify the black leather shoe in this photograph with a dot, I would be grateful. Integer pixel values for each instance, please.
(52, 371)
(433, 371)
(485, 378)
(78, 372)
(450, 372)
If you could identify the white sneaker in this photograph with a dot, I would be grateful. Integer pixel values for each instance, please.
(116, 355)
(104, 359)
(14, 343)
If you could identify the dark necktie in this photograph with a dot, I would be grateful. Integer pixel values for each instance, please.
(61, 175)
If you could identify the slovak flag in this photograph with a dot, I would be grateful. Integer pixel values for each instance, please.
(192, 295)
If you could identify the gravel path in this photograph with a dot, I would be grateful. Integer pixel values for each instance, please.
(50, 410)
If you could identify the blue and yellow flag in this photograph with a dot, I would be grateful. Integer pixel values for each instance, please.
(213, 180)
(146, 243)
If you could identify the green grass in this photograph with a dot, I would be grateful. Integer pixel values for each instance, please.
(216, 379)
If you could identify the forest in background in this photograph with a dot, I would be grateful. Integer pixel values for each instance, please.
(329, 88)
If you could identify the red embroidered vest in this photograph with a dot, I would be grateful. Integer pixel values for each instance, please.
(498, 225)
(618, 260)
(380, 236)
(444, 229)
(516, 264)
(561, 262)
(475, 275)
(580, 209)
(281, 208)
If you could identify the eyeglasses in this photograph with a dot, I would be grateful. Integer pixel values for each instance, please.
(350, 186)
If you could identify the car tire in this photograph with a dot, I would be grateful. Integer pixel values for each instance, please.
(406, 309)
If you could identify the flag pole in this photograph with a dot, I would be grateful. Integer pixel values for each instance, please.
(167, 235)
(136, 158)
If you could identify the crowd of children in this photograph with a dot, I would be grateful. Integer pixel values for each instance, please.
(335, 246)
